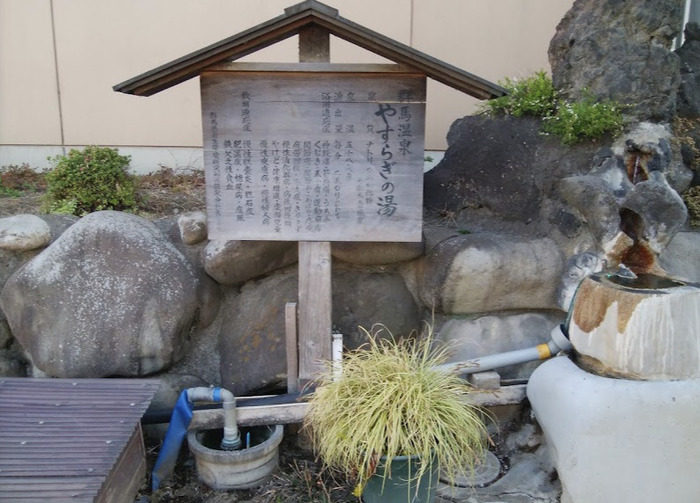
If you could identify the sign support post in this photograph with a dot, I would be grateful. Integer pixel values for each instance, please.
(314, 334)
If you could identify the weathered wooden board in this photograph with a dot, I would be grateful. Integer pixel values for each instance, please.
(295, 412)
(328, 156)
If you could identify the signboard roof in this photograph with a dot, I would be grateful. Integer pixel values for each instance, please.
(295, 19)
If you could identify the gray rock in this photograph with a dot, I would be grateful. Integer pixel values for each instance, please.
(488, 335)
(193, 227)
(23, 233)
(648, 150)
(12, 363)
(235, 262)
(485, 272)
(621, 51)
(363, 253)
(251, 340)
(681, 257)
(362, 299)
(596, 201)
(110, 297)
(203, 357)
(661, 209)
(58, 223)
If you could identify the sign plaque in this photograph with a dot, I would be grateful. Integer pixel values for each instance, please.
(313, 156)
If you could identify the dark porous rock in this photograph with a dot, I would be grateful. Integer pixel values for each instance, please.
(497, 174)
(111, 297)
(235, 262)
(620, 50)
(363, 299)
(363, 253)
(689, 54)
(595, 200)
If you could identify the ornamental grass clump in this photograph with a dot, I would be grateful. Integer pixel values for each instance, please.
(390, 400)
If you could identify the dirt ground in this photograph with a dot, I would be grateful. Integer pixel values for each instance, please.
(299, 480)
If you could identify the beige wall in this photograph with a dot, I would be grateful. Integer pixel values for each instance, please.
(99, 43)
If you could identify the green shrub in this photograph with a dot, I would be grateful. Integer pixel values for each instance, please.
(93, 179)
(572, 122)
(533, 96)
(582, 120)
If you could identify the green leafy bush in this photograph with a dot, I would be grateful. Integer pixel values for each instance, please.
(534, 96)
(585, 119)
(572, 122)
(93, 179)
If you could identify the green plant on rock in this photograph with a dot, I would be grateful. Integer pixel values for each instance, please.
(584, 120)
(571, 121)
(390, 400)
(534, 96)
(92, 179)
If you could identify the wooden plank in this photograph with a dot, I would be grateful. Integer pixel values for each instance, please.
(125, 478)
(314, 308)
(295, 412)
(313, 67)
(314, 44)
(291, 346)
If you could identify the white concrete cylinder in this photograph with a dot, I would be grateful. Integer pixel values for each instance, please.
(617, 440)
(647, 328)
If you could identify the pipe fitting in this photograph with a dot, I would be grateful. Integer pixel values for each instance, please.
(232, 437)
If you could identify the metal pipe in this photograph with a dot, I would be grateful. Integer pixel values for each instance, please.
(558, 342)
(337, 355)
(232, 437)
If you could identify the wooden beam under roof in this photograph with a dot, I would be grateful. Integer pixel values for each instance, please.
(306, 14)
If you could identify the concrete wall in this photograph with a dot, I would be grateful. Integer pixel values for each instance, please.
(60, 58)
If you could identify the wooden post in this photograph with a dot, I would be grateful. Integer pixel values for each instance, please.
(314, 257)
(291, 345)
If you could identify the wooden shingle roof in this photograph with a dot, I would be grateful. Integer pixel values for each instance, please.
(307, 14)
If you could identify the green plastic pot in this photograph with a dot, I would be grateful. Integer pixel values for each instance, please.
(401, 487)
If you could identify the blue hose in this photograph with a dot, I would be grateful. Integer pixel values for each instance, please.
(179, 421)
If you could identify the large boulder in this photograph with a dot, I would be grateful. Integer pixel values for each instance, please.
(111, 297)
(484, 272)
(620, 50)
(235, 262)
(252, 334)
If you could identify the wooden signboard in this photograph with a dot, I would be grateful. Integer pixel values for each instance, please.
(313, 152)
